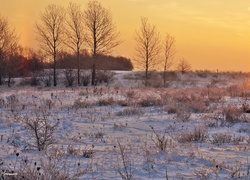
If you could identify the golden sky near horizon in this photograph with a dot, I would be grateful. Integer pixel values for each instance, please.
(212, 34)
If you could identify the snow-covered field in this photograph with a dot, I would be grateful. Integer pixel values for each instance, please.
(197, 128)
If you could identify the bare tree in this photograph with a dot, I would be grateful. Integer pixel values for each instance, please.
(8, 45)
(148, 47)
(169, 52)
(75, 32)
(51, 31)
(101, 35)
(42, 131)
(13, 64)
(184, 66)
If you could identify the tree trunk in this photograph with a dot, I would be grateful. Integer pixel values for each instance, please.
(9, 79)
(54, 67)
(93, 74)
(1, 81)
(147, 67)
(78, 68)
(146, 78)
(164, 77)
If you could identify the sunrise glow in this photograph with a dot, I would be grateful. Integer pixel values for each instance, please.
(211, 35)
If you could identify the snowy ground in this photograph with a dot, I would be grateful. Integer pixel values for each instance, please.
(197, 128)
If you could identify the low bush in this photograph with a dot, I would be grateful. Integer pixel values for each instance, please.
(85, 78)
(42, 131)
(199, 134)
(232, 114)
(130, 112)
(106, 101)
(162, 141)
(69, 77)
(79, 103)
(104, 76)
(183, 114)
(150, 101)
(221, 138)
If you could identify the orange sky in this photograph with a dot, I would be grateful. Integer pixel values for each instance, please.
(212, 34)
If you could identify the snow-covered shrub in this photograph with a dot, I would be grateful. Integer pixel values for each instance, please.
(88, 152)
(69, 77)
(183, 114)
(119, 126)
(202, 74)
(198, 134)
(54, 165)
(47, 77)
(34, 81)
(105, 101)
(234, 91)
(71, 150)
(194, 103)
(244, 129)
(85, 78)
(12, 101)
(232, 114)
(48, 103)
(130, 112)
(124, 102)
(130, 94)
(204, 173)
(42, 131)
(2, 102)
(79, 103)
(229, 115)
(150, 101)
(238, 139)
(155, 81)
(171, 108)
(57, 166)
(221, 138)
(125, 166)
(246, 107)
(104, 76)
(162, 141)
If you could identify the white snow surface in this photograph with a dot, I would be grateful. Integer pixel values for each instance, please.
(125, 144)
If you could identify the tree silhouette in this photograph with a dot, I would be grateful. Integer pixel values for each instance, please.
(148, 47)
(51, 31)
(169, 52)
(8, 46)
(101, 35)
(75, 32)
(184, 66)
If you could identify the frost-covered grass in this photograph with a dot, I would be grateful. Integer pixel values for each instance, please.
(126, 132)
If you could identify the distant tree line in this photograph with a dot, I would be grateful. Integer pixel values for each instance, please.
(69, 38)
(21, 64)
(75, 38)
(103, 62)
